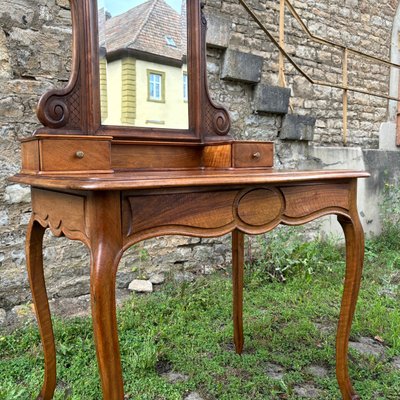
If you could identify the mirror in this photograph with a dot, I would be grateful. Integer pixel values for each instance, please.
(145, 80)
(143, 63)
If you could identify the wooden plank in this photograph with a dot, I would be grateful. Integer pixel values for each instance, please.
(125, 156)
(217, 156)
(30, 156)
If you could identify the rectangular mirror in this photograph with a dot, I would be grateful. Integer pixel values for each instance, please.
(143, 63)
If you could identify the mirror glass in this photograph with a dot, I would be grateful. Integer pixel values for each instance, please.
(143, 63)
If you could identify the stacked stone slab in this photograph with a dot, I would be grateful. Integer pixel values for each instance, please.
(244, 67)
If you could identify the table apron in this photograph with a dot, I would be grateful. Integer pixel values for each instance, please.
(214, 212)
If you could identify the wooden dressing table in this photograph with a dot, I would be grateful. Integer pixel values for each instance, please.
(113, 186)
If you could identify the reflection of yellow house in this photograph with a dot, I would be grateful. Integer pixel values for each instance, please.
(143, 71)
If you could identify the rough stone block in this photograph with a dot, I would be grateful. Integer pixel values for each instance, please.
(271, 99)
(194, 396)
(218, 32)
(17, 194)
(396, 362)
(75, 287)
(21, 313)
(369, 347)
(387, 136)
(298, 127)
(243, 67)
(157, 279)
(63, 4)
(139, 285)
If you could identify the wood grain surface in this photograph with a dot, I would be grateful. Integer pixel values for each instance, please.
(187, 178)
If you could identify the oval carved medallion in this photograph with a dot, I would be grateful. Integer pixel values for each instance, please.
(259, 207)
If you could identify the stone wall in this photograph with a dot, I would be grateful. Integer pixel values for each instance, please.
(35, 55)
(363, 25)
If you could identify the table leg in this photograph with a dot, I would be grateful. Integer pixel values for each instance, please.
(237, 283)
(354, 236)
(103, 270)
(34, 261)
(106, 251)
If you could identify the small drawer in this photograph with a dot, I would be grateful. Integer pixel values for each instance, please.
(253, 154)
(75, 155)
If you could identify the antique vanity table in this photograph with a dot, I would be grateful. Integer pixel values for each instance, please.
(137, 176)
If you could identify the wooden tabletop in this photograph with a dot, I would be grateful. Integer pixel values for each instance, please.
(179, 178)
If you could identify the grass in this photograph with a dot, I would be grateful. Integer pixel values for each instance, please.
(187, 328)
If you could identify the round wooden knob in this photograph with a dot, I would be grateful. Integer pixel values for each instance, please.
(80, 154)
(256, 155)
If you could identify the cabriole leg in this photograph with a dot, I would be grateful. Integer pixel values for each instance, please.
(354, 237)
(34, 260)
(106, 251)
(104, 263)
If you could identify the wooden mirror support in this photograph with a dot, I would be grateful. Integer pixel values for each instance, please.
(111, 187)
(76, 108)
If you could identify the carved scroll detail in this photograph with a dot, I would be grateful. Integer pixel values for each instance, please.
(60, 108)
(217, 120)
(55, 113)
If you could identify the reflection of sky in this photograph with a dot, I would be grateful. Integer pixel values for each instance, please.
(116, 7)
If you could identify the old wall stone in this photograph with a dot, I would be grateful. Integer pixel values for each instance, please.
(271, 99)
(242, 67)
(35, 55)
(298, 127)
(218, 32)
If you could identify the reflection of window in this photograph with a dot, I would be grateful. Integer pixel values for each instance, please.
(156, 85)
(185, 87)
(170, 41)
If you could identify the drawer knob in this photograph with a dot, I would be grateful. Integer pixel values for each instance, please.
(257, 155)
(80, 154)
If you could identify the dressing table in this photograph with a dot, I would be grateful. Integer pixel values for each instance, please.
(116, 163)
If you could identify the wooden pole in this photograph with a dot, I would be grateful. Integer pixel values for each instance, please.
(398, 104)
(345, 94)
(237, 285)
(282, 81)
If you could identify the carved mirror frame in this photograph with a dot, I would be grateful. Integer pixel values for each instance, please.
(75, 109)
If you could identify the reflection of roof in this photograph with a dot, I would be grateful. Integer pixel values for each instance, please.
(148, 28)
(101, 26)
